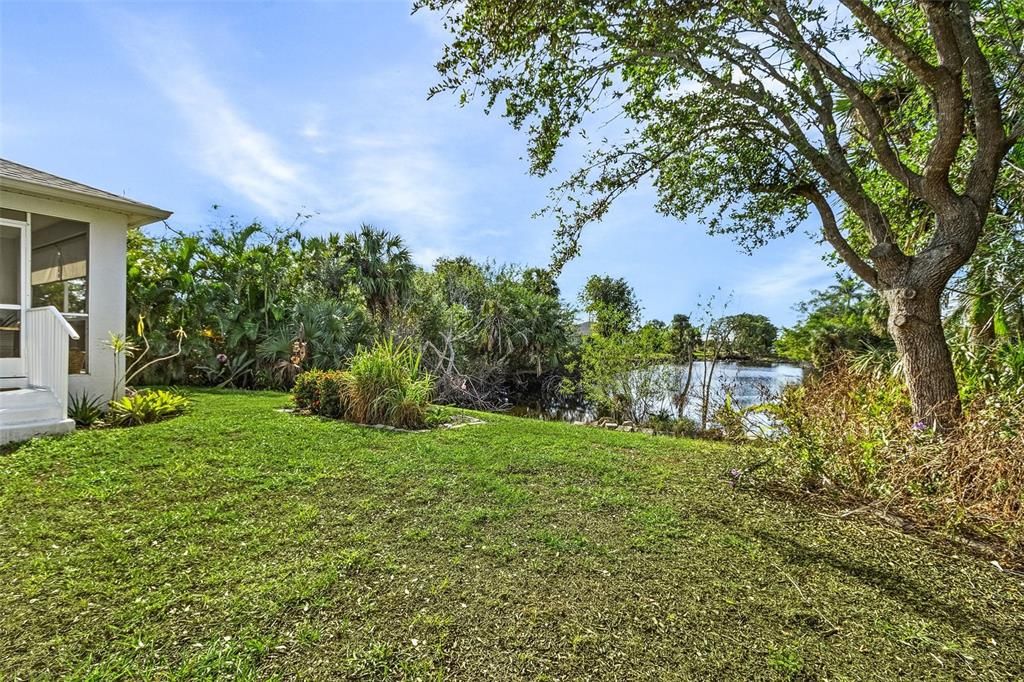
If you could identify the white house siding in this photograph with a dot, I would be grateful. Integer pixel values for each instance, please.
(107, 283)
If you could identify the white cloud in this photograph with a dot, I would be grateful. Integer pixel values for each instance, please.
(223, 143)
(391, 171)
(791, 279)
(402, 178)
(311, 130)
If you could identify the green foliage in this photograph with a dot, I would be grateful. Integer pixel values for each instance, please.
(684, 337)
(665, 423)
(627, 375)
(989, 368)
(749, 335)
(847, 316)
(611, 304)
(318, 333)
(381, 267)
(484, 328)
(146, 406)
(987, 297)
(331, 398)
(732, 422)
(258, 307)
(852, 435)
(437, 416)
(306, 391)
(384, 384)
(86, 410)
(247, 299)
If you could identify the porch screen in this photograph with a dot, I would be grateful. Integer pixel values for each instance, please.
(63, 261)
(60, 277)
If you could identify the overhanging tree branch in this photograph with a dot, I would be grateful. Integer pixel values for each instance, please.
(892, 41)
(832, 234)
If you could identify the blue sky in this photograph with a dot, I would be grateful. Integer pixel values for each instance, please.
(272, 109)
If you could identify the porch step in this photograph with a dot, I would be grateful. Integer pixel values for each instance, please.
(28, 412)
(8, 383)
(20, 432)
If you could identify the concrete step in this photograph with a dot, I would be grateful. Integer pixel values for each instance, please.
(13, 382)
(28, 406)
(21, 398)
(20, 432)
(29, 412)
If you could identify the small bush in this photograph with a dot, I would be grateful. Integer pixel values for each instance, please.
(665, 423)
(331, 391)
(146, 406)
(383, 385)
(86, 410)
(306, 391)
(437, 416)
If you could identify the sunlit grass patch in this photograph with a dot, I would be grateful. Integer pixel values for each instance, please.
(241, 541)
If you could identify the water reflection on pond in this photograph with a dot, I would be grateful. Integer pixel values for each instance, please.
(747, 384)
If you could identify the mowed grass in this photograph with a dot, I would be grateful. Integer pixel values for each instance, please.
(242, 541)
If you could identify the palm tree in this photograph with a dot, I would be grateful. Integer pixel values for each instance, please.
(382, 269)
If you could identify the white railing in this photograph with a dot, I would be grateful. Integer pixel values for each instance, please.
(47, 362)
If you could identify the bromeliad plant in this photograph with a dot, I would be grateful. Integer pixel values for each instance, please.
(146, 406)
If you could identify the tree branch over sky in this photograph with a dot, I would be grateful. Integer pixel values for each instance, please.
(750, 113)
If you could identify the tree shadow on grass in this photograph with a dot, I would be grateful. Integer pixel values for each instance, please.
(928, 600)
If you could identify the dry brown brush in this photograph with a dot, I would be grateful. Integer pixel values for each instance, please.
(851, 435)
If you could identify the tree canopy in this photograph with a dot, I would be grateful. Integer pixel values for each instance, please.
(611, 304)
(750, 335)
(751, 113)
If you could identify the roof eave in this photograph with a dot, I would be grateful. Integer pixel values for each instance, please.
(138, 214)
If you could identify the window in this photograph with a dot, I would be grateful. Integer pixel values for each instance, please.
(60, 277)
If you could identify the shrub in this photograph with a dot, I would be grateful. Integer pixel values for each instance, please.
(331, 387)
(383, 385)
(86, 410)
(665, 423)
(146, 406)
(306, 391)
(626, 375)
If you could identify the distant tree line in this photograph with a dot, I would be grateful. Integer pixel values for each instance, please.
(254, 306)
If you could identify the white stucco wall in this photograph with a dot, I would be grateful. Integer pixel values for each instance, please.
(107, 283)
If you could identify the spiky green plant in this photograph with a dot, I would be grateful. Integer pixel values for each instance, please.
(385, 385)
(147, 406)
(85, 409)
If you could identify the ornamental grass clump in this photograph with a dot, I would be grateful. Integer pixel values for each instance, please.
(384, 384)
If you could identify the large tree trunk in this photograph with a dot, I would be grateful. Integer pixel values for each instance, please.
(915, 323)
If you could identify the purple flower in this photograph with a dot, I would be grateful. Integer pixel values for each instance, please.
(734, 477)
(919, 426)
(222, 358)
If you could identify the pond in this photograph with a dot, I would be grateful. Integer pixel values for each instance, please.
(747, 384)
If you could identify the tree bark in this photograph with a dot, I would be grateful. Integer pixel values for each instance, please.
(915, 324)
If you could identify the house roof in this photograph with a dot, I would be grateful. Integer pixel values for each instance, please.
(26, 180)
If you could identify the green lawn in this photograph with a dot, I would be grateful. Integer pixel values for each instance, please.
(245, 541)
